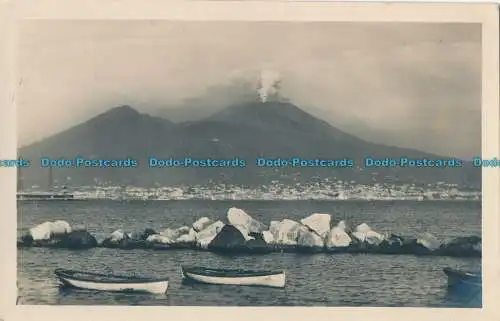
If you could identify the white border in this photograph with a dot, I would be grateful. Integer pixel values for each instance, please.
(487, 14)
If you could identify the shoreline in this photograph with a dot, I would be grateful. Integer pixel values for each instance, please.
(127, 199)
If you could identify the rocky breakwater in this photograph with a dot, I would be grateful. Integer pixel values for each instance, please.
(242, 234)
(57, 234)
(239, 233)
(122, 240)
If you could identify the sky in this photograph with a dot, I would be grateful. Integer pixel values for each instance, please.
(412, 85)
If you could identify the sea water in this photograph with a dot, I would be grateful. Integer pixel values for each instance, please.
(312, 280)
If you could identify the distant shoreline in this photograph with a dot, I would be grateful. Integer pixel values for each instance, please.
(327, 192)
(244, 200)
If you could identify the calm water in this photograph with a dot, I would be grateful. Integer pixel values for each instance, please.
(312, 280)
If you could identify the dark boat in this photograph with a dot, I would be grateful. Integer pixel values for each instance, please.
(234, 277)
(462, 278)
(110, 282)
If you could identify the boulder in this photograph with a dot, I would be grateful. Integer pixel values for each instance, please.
(319, 223)
(246, 233)
(274, 227)
(201, 224)
(228, 238)
(287, 232)
(206, 236)
(268, 237)
(136, 236)
(338, 239)
(80, 239)
(117, 239)
(188, 239)
(464, 246)
(138, 239)
(158, 238)
(182, 237)
(147, 232)
(392, 244)
(171, 234)
(236, 216)
(183, 230)
(76, 239)
(309, 241)
(365, 234)
(258, 245)
(412, 246)
(343, 226)
(48, 230)
(429, 241)
(61, 227)
(58, 234)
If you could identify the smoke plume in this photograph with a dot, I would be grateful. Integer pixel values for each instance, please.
(269, 84)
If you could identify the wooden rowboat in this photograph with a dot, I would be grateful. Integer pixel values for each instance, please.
(108, 282)
(462, 278)
(234, 277)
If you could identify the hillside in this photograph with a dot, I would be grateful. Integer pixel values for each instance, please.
(249, 130)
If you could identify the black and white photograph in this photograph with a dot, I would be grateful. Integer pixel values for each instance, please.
(249, 163)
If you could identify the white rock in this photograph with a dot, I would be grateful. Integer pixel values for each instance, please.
(117, 236)
(274, 227)
(189, 237)
(203, 243)
(192, 233)
(287, 233)
(183, 230)
(236, 216)
(157, 238)
(320, 223)
(61, 227)
(170, 233)
(364, 233)
(268, 237)
(201, 224)
(208, 234)
(186, 238)
(337, 237)
(46, 230)
(42, 231)
(374, 238)
(309, 239)
(363, 228)
(360, 236)
(428, 241)
(212, 230)
(342, 225)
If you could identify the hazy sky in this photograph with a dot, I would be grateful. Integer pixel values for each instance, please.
(415, 85)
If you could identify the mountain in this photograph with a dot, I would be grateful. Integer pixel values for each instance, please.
(246, 131)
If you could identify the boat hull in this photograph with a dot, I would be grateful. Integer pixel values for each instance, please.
(130, 285)
(156, 287)
(276, 280)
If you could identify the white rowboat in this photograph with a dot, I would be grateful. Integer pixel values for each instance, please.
(275, 279)
(112, 283)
